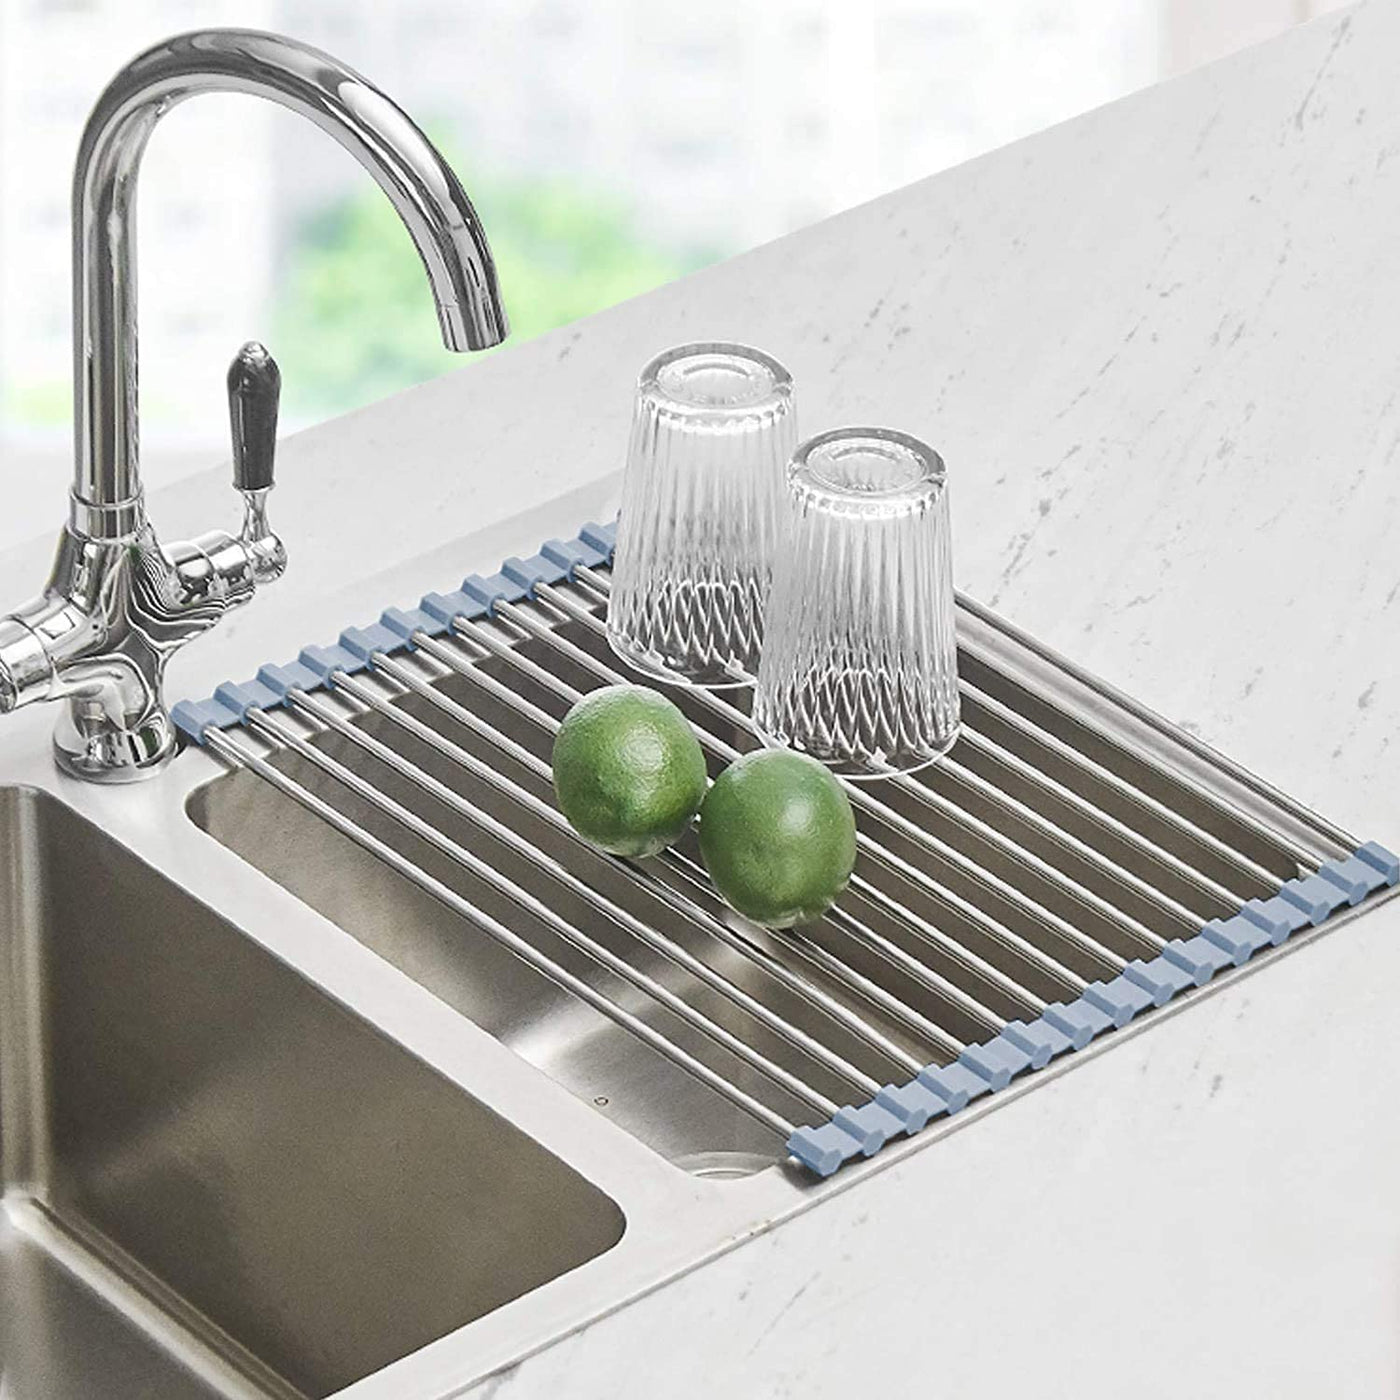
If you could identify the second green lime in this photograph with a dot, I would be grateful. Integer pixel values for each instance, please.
(628, 770)
(779, 837)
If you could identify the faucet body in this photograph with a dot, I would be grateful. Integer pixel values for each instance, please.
(98, 637)
(118, 602)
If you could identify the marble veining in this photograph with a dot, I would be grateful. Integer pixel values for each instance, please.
(1159, 348)
(1160, 351)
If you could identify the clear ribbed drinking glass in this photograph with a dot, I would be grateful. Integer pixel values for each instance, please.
(859, 663)
(712, 433)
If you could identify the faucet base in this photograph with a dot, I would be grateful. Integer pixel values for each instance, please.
(109, 754)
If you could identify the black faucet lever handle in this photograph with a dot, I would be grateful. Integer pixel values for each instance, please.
(254, 389)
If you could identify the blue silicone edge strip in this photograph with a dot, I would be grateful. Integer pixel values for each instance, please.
(862, 1130)
(936, 1091)
(395, 631)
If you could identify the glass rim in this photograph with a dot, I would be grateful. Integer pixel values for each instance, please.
(898, 471)
(771, 380)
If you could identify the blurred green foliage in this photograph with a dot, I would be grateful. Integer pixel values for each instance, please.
(355, 317)
(37, 403)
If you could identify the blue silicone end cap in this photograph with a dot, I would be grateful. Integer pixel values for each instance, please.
(956, 1084)
(1236, 936)
(1040, 1040)
(1198, 956)
(1119, 999)
(822, 1149)
(872, 1125)
(1159, 978)
(998, 1061)
(603, 538)
(1079, 1020)
(1385, 862)
(194, 718)
(913, 1104)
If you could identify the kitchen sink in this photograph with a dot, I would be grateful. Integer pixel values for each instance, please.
(404, 792)
(218, 1180)
(625, 1080)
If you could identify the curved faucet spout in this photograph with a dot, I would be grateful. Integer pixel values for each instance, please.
(429, 197)
(119, 603)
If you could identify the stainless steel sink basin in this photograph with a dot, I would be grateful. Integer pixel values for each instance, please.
(624, 1080)
(278, 1119)
(219, 1181)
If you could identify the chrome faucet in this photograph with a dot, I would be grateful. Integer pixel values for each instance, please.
(118, 603)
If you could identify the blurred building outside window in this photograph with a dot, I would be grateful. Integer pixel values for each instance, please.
(610, 146)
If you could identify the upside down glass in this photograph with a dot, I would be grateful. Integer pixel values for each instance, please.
(712, 433)
(859, 665)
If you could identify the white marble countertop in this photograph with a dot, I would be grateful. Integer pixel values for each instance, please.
(1159, 348)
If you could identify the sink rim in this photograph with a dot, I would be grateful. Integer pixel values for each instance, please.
(676, 1222)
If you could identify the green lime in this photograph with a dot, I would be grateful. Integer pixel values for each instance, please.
(779, 837)
(628, 770)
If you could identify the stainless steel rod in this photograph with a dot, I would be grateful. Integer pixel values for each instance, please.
(1341, 842)
(970, 960)
(266, 725)
(843, 919)
(1008, 939)
(922, 929)
(235, 753)
(854, 928)
(911, 831)
(600, 584)
(921, 1027)
(840, 971)
(641, 878)
(810, 953)
(1012, 806)
(907, 1015)
(1014, 850)
(799, 945)
(1129, 792)
(1309, 859)
(658, 942)
(1106, 821)
(865, 801)
(931, 981)
(933, 938)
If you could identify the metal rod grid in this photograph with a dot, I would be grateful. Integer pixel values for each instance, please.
(1022, 867)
